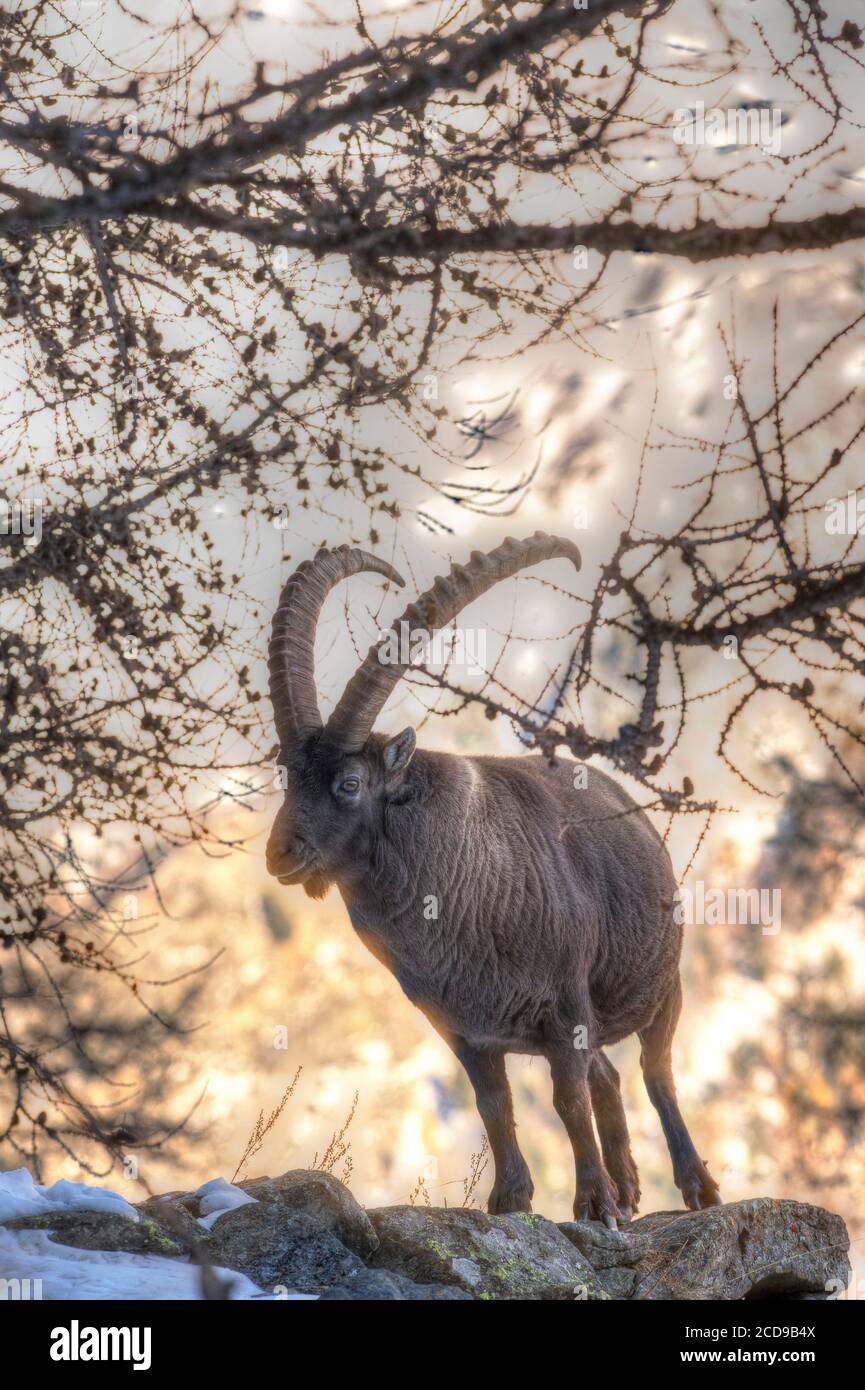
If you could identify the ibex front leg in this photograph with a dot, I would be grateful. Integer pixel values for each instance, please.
(513, 1187)
(596, 1195)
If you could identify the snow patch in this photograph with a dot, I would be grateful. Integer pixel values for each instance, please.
(106, 1274)
(218, 1197)
(20, 1196)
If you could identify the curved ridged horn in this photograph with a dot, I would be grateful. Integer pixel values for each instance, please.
(351, 722)
(291, 656)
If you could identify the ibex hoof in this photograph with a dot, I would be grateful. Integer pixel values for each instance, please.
(699, 1189)
(596, 1199)
(507, 1198)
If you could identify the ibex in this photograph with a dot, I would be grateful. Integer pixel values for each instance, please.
(555, 931)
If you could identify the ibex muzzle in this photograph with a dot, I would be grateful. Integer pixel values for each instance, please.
(553, 930)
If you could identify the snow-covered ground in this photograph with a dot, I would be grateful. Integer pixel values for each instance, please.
(63, 1271)
(84, 1274)
(20, 1196)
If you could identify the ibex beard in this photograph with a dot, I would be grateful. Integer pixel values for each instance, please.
(553, 930)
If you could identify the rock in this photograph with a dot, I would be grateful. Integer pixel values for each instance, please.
(490, 1257)
(174, 1217)
(304, 1233)
(380, 1285)
(276, 1247)
(324, 1197)
(759, 1248)
(612, 1254)
(101, 1230)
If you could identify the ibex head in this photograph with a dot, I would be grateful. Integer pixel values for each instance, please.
(340, 776)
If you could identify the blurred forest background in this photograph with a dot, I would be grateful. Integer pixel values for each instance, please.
(269, 285)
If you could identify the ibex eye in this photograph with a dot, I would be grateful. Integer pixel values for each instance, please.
(351, 784)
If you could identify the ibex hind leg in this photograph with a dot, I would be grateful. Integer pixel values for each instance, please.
(690, 1173)
(612, 1129)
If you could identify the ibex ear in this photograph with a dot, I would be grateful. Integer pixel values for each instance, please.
(398, 753)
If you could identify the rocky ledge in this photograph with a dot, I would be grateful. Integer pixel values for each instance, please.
(304, 1233)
